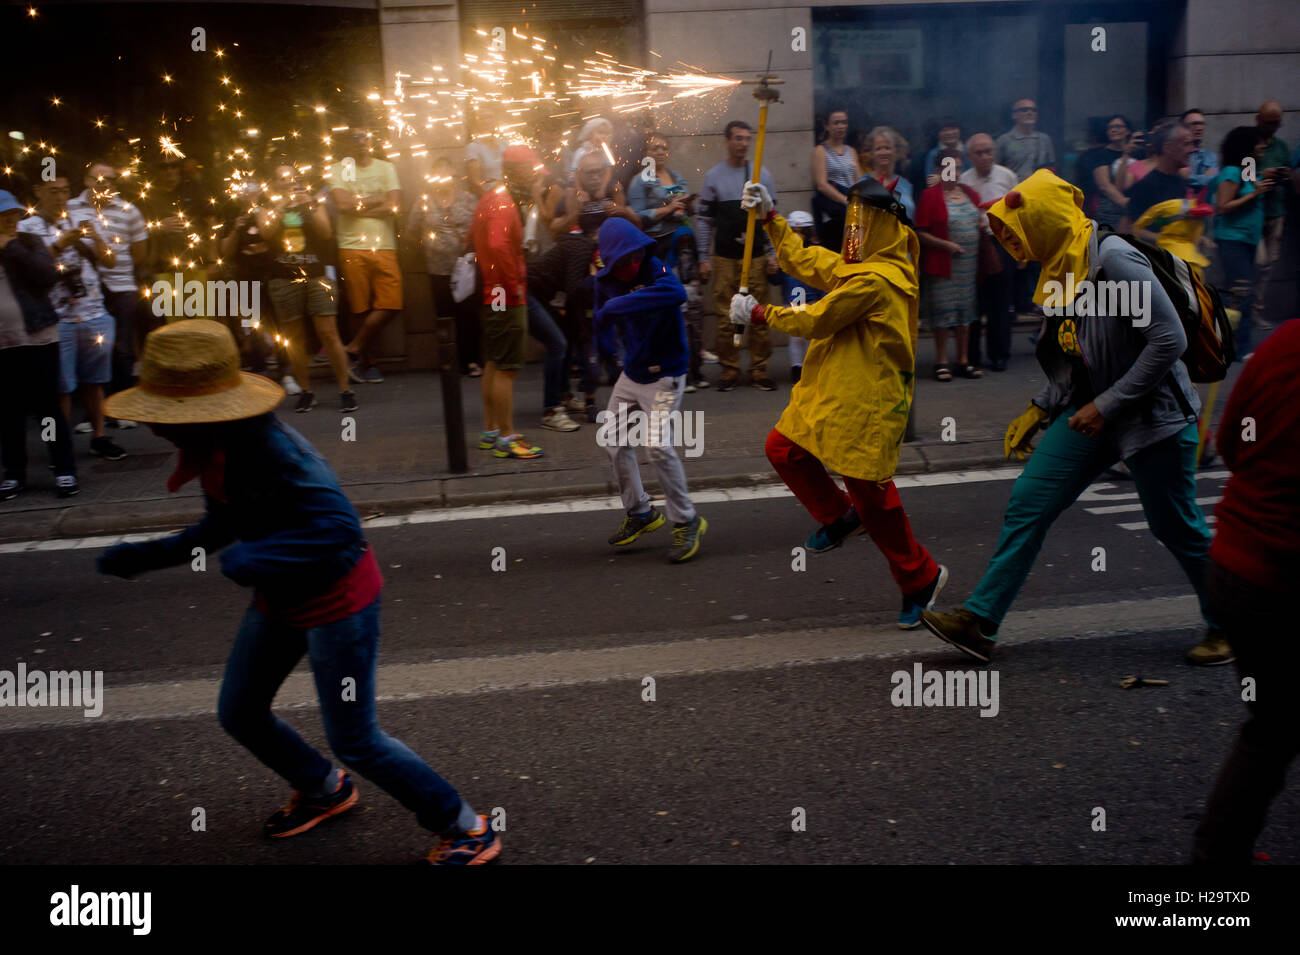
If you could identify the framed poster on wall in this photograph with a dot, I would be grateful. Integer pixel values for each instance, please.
(877, 59)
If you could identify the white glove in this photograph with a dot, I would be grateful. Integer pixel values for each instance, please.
(757, 197)
(741, 306)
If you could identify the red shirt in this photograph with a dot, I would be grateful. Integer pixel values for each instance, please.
(932, 215)
(354, 592)
(497, 236)
(1258, 528)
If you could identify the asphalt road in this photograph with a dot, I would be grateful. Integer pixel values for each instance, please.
(773, 694)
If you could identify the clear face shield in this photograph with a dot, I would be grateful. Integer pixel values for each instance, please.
(859, 219)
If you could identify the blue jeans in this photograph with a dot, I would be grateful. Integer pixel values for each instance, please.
(1060, 469)
(1238, 260)
(264, 654)
(544, 328)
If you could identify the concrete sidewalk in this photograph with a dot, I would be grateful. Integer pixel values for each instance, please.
(397, 461)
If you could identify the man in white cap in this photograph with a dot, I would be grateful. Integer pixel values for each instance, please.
(290, 533)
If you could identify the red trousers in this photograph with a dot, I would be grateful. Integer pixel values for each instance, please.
(878, 506)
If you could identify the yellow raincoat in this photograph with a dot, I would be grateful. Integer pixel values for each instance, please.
(1047, 227)
(1177, 230)
(851, 403)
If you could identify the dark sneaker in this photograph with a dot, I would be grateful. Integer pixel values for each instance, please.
(909, 618)
(763, 383)
(832, 535)
(592, 411)
(347, 401)
(371, 376)
(727, 384)
(1212, 651)
(306, 401)
(796, 372)
(66, 485)
(476, 847)
(634, 526)
(354, 372)
(9, 489)
(106, 448)
(961, 628)
(686, 539)
(303, 813)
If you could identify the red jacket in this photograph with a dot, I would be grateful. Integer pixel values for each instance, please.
(932, 215)
(497, 237)
(1258, 530)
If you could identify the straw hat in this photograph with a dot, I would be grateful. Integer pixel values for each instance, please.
(190, 375)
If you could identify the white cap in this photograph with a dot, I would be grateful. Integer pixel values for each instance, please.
(800, 220)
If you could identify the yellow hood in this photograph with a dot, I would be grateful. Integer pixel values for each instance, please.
(1176, 228)
(1048, 226)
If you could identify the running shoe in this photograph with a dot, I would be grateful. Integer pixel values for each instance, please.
(347, 401)
(634, 525)
(9, 489)
(575, 404)
(707, 357)
(354, 372)
(487, 440)
(1212, 651)
(302, 812)
(557, 420)
(306, 401)
(291, 386)
(516, 447)
(961, 628)
(728, 382)
(66, 485)
(686, 539)
(909, 618)
(763, 383)
(106, 448)
(476, 847)
(832, 535)
(371, 376)
(84, 427)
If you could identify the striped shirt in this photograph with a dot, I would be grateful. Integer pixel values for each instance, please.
(119, 224)
(77, 296)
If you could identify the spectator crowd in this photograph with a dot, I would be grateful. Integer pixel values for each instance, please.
(508, 235)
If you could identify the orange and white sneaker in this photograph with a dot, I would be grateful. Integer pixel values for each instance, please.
(304, 812)
(514, 446)
(476, 847)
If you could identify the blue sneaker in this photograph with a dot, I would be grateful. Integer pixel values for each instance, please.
(909, 618)
(832, 535)
(476, 847)
(371, 376)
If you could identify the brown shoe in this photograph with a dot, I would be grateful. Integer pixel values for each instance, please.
(1212, 651)
(961, 628)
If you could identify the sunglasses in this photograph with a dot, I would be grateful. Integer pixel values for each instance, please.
(1025, 109)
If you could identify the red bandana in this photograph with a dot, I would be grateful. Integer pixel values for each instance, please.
(210, 470)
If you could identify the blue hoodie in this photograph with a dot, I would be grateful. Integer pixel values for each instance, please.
(647, 311)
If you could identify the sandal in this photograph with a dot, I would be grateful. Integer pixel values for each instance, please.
(942, 373)
(970, 371)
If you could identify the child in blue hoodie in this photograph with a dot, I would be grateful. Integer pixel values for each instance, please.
(640, 298)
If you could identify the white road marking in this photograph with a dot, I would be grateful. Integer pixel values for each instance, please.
(531, 671)
(1123, 508)
(482, 512)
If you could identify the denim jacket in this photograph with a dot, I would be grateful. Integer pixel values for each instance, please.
(1133, 371)
(293, 531)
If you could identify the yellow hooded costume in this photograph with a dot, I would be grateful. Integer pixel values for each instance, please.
(850, 407)
(1042, 220)
(1178, 224)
